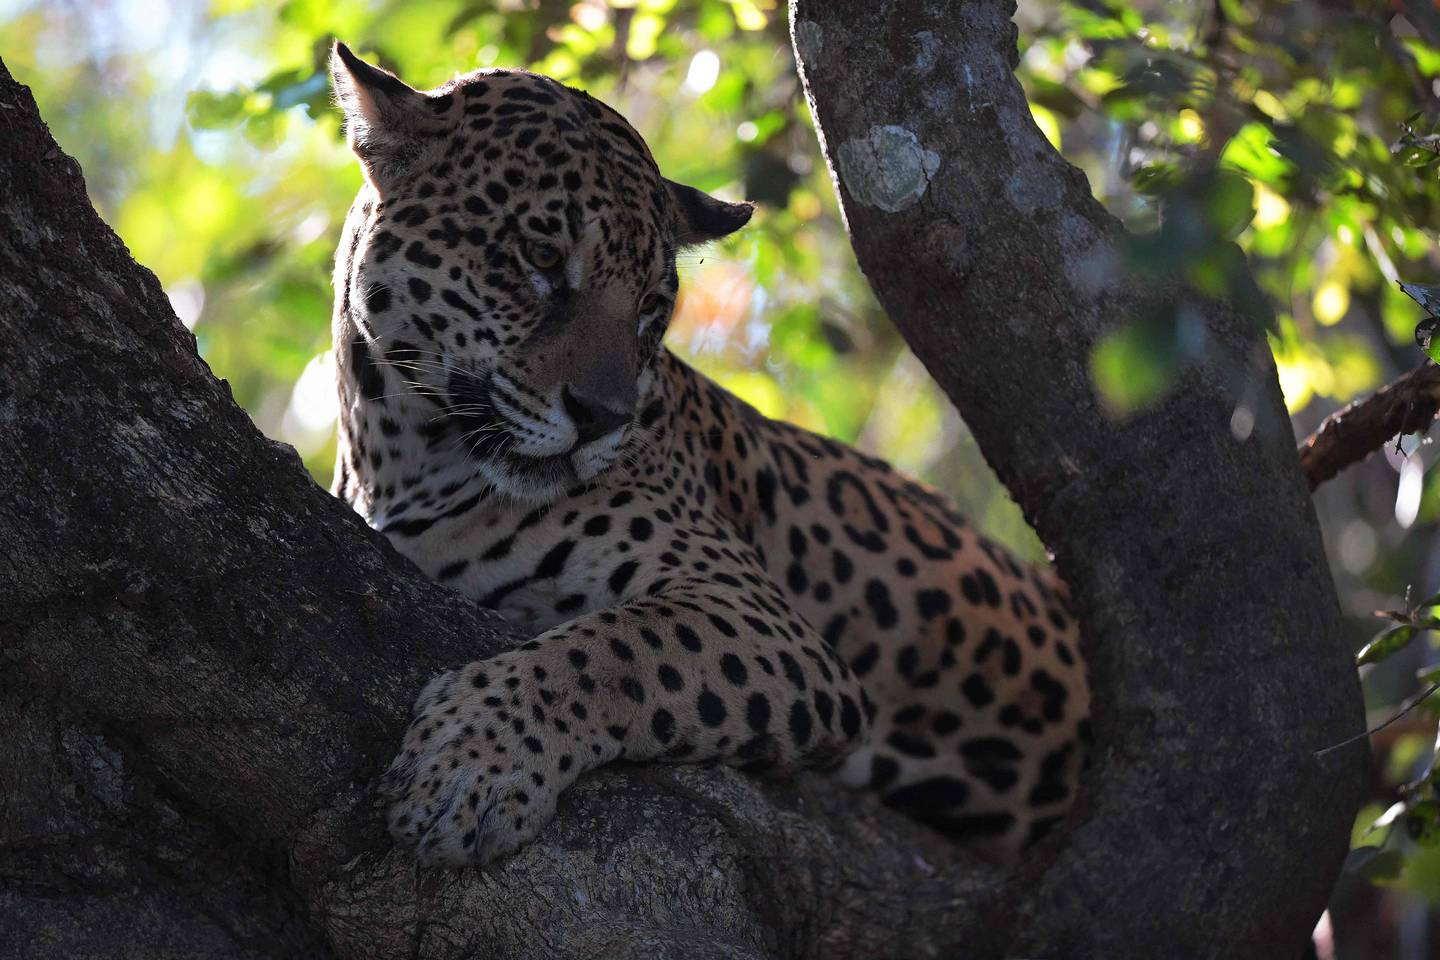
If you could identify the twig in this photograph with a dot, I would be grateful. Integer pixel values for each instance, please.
(1349, 435)
(1410, 704)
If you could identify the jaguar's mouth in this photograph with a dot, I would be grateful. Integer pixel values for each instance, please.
(532, 479)
(497, 446)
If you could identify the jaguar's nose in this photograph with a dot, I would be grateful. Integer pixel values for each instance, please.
(593, 419)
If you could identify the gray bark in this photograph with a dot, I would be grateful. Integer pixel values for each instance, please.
(1208, 823)
(206, 658)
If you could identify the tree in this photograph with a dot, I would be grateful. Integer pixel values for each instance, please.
(208, 658)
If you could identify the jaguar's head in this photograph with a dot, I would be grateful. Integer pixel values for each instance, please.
(510, 262)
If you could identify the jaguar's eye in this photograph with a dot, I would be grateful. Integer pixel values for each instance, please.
(653, 303)
(542, 256)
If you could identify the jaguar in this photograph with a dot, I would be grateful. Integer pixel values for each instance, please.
(702, 584)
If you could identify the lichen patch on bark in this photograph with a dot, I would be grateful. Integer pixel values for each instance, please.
(888, 168)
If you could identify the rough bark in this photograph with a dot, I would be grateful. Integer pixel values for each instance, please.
(206, 659)
(1352, 433)
(1208, 823)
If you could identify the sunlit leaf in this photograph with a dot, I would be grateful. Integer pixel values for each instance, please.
(1385, 644)
(1047, 123)
(1135, 365)
(1250, 151)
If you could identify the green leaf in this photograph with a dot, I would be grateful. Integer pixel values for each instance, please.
(1425, 337)
(1386, 643)
(1134, 366)
(1230, 203)
(1422, 823)
(1157, 179)
(1374, 863)
(1417, 156)
(312, 90)
(208, 110)
(1427, 295)
(1055, 97)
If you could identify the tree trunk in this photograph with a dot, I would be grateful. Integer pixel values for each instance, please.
(207, 659)
(1208, 822)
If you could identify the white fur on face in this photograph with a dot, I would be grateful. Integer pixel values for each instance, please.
(593, 458)
(550, 476)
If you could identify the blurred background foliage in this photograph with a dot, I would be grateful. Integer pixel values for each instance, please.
(1282, 154)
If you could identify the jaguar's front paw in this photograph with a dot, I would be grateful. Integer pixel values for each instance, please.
(476, 779)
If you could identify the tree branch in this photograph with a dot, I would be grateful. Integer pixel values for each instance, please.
(1352, 433)
(1217, 658)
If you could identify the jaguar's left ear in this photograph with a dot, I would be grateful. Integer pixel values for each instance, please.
(702, 218)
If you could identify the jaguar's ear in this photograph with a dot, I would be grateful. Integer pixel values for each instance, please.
(383, 114)
(702, 218)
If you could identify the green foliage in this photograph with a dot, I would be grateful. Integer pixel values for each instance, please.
(1409, 624)
(1399, 845)
(1268, 152)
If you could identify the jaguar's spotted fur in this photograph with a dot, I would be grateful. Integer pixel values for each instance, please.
(703, 583)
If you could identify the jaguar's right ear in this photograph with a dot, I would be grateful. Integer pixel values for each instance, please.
(383, 114)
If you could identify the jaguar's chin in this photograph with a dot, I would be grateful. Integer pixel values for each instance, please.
(518, 463)
(532, 480)
(541, 480)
